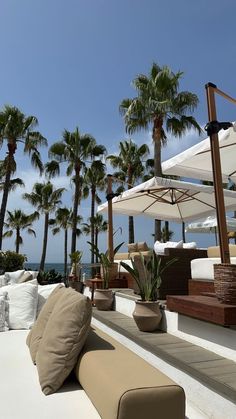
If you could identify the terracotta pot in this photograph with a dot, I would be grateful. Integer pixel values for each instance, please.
(225, 282)
(103, 299)
(147, 315)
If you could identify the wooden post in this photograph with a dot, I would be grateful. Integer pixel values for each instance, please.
(110, 218)
(217, 177)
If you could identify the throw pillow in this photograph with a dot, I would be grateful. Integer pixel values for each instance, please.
(190, 245)
(2, 281)
(43, 293)
(4, 295)
(23, 299)
(142, 246)
(13, 277)
(63, 339)
(34, 337)
(27, 276)
(2, 314)
(132, 247)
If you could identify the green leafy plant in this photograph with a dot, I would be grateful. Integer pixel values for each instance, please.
(11, 261)
(106, 264)
(149, 280)
(49, 277)
(75, 258)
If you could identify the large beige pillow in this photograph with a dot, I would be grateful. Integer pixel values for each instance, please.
(63, 339)
(34, 337)
(27, 276)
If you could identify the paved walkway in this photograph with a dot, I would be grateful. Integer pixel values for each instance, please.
(212, 370)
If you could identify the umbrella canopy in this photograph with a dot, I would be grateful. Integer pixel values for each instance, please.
(209, 225)
(195, 162)
(167, 199)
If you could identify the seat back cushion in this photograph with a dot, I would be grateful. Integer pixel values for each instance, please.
(63, 338)
(35, 335)
(214, 251)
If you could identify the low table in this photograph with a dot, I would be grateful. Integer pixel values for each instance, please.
(203, 307)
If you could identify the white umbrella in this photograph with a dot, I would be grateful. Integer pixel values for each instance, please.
(209, 225)
(167, 199)
(195, 162)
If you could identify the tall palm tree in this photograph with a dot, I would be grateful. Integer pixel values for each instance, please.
(17, 221)
(130, 162)
(95, 179)
(17, 128)
(63, 221)
(14, 183)
(100, 226)
(46, 199)
(74, 149)
(159, 104)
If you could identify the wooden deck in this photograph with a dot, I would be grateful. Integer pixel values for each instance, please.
(212, 370)
(203, 307)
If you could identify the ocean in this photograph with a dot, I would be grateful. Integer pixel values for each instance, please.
(59, 267)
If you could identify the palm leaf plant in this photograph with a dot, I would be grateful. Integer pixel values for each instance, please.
(148, 278)
(106, 264)
(16, 128)
(160, 106)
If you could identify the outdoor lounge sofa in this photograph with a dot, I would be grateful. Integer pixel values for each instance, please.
(109, 381)
(175, 277)
(202, 270)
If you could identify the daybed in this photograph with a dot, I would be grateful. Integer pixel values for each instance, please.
(175, 277)
(202, 270)
(114, 382)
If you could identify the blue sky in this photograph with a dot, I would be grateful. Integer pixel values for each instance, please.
(72, 62)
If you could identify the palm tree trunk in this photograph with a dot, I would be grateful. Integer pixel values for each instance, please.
(17, 239)
(157, 172)
(183, 232)
(45, 240)
(96, 242)
(131, 219)
(93, 192)
(75, 209)
(11, 151)
(167, 238)
(65, 253)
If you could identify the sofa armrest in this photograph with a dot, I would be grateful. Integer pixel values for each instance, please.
(122, 385)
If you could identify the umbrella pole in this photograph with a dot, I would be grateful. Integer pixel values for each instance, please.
(213, 128)
(110, 218)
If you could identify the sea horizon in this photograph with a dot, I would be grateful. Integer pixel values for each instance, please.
(58, 267)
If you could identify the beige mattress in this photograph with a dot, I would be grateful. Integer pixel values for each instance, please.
(20, 392)
(202, 268)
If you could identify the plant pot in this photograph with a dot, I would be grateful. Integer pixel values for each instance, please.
(225, 282)
(73, 282)
(103, 299)
(147, 315)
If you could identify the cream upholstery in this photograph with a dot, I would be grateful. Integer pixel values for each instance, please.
(214, 251)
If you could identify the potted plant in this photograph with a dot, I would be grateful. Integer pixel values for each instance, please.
(147, 271)
(74, 280)
(103, 297)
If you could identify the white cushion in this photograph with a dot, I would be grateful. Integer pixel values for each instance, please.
(159, 247)
(33, 273)
(3, 281)
(23, 299)
(43, 293)
(190, 245)
(13, 277)
(203, 268)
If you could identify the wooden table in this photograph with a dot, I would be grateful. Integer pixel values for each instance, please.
(93, 284)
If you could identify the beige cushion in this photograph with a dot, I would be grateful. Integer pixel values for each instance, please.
(132, 247)
(142, 246)
(27, 276)
(63, 339)
(214, 251)
(34, 337)
(131, 388)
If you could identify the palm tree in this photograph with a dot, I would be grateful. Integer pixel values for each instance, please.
(14, 183)
(95, 179)
(160, 105)
(16, 128)
(129, 161)
(17, 221)
(74, 149)
(46, 199)
(100, 226)
(63, 220)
